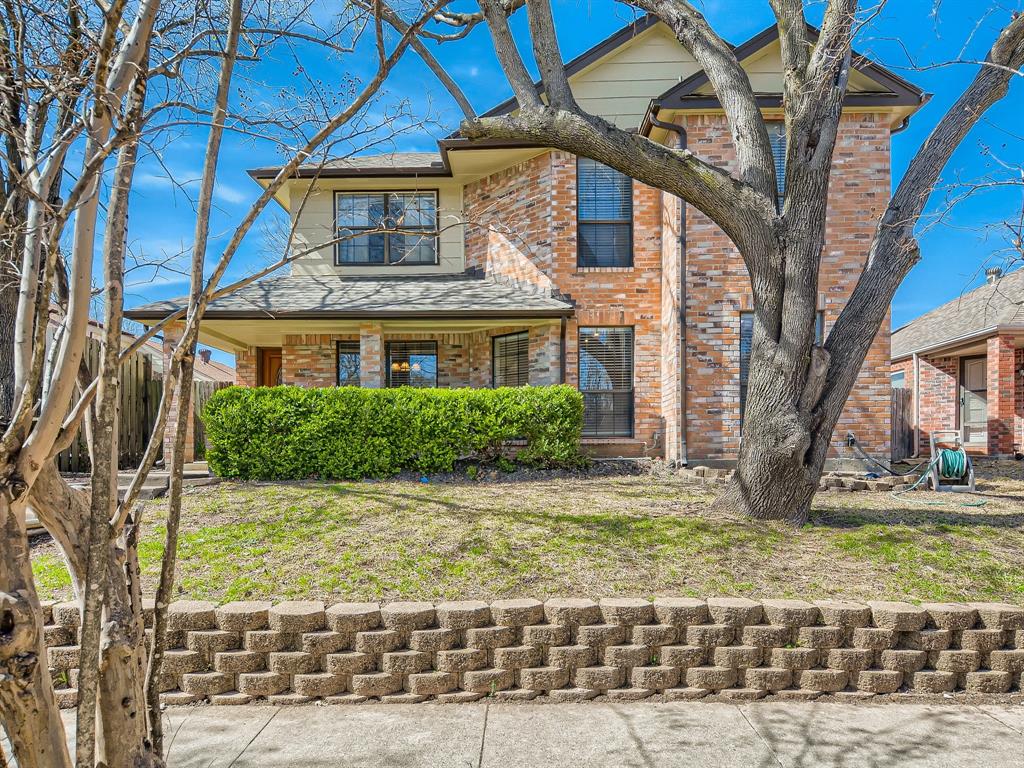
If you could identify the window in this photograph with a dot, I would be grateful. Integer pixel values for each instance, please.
(898, 380)
(365, 211)
(604, 213)
(606, 381)
(747, 343)
(412, 363)
(510, 356)
(348, 363)
(777, 138)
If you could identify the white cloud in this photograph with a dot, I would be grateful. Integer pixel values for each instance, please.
(229, 194)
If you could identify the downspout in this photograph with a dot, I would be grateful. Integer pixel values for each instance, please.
(561, 350)
(917, 405)
(681, 245)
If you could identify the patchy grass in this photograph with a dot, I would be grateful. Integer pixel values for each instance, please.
(637, 535)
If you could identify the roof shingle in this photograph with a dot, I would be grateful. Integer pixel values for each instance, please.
(1000, 303)
(332, 296)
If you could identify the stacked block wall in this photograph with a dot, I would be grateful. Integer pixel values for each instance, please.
(623, 648)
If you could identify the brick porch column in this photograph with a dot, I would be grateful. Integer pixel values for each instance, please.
(1001, 395)
(545, 363)
(171, 336)
(371, 356)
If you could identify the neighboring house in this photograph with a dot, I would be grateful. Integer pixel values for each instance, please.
(964, 365)
(550, 268)
(206, 368)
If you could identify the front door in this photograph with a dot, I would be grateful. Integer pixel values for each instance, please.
(974, 400)
(270, 366)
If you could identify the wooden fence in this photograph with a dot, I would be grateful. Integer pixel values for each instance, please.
(201, 393)
(140, 398)
(902, 422)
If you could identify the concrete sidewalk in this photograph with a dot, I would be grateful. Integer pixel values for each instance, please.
(758, 735)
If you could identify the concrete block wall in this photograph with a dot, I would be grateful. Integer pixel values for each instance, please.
(569, 649)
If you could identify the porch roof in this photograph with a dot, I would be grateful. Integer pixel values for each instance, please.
(298, 297)
(995, 306)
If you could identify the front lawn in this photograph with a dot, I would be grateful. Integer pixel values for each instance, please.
(640, 535)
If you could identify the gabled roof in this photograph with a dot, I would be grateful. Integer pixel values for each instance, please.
(299, 297)
(588, 57)
(997, 305)
(894, 91)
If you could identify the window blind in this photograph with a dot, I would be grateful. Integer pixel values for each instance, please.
(777, 138)
(604, 212)
(606, 381)
(511, 360)
(411, 363)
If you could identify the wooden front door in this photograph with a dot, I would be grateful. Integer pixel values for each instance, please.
(270, 366)
(974, 400)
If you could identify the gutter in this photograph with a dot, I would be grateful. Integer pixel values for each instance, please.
(519, 314)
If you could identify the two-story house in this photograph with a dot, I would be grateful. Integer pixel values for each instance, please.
(537, 267)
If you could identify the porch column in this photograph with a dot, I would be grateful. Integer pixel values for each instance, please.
(545, 357)
(371, 356)
(1001, 395)
(172, 334)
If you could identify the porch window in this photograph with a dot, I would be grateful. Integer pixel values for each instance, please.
(348, 363)
(412, 363)
(510, 356)
(747, 344)
(606, 381)
(604, 213)
(415, 213)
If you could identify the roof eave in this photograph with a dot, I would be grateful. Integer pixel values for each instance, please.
(490, 314)
(957, 341)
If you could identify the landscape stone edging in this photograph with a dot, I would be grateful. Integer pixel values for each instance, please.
(567, 649)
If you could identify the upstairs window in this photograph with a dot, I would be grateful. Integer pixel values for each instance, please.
(604, 212)
(412, 363)
(606, 381)
(415, 213)
(777, 138)
(348, 363)
(747, 344)
(510, 356)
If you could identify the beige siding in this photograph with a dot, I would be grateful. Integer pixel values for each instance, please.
(620, 86)
(316, 226)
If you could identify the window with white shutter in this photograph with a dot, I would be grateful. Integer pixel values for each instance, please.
(604, 215)
(606, 381)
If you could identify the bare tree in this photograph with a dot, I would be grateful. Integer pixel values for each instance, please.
(796, 387)
(126, 79)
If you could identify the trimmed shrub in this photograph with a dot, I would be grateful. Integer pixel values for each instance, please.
(291, 433)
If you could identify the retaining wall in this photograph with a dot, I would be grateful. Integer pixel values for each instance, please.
(569, 649)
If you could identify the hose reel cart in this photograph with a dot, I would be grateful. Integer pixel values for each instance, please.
(950, 468)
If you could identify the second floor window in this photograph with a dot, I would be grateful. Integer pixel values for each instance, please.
(604, 213)
(777, 137)
(414, 213)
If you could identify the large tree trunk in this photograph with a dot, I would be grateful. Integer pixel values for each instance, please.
(31, 716)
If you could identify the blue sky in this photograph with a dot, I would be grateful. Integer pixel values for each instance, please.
(906, 33)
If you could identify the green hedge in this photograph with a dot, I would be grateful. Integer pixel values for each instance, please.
(291, 433)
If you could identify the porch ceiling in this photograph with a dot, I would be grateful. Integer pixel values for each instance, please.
(235, 335)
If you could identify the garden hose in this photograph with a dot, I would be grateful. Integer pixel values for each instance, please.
(952, 464)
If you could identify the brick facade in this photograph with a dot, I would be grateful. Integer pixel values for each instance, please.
(682, 296)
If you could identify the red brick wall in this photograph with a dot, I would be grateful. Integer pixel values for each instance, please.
(246, 367)
(1002, 389)
(717, 290)
(537, 201)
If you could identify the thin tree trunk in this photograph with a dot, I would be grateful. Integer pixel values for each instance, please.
(31, 716)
